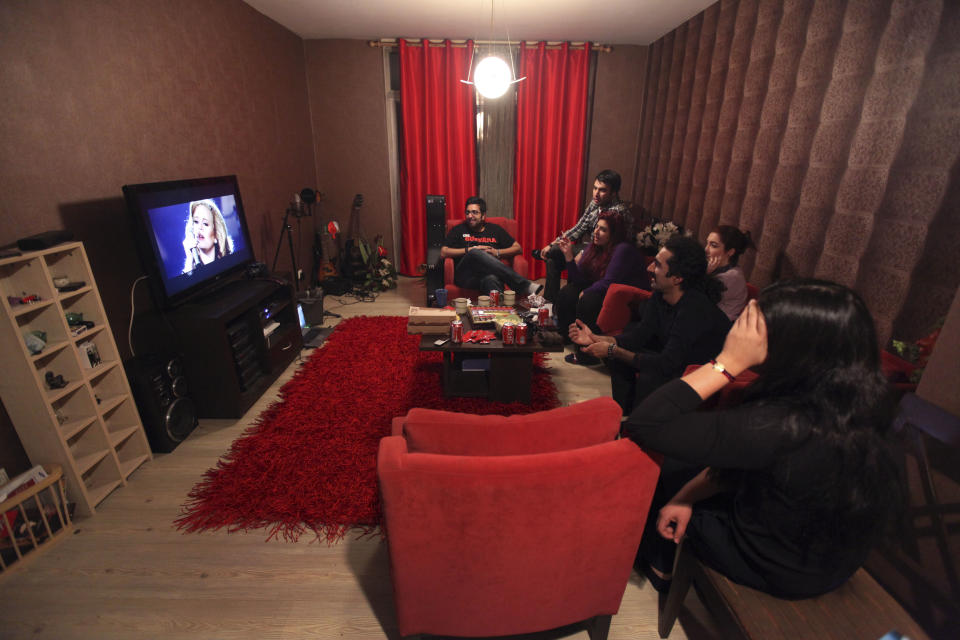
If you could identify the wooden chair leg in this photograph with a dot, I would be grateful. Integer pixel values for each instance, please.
(679, 585)
(598, 627)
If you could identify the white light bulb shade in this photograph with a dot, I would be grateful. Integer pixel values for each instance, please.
(492, 77)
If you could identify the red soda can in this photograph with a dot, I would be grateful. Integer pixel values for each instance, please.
(456, 331)
(522, 333)
(494, 298)
(543, 316)
(508, 333)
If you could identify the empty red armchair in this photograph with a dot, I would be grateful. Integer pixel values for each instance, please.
(507, 525)
(518, 263)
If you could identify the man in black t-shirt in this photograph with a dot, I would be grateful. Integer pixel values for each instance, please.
(680, 326)
(477, 246)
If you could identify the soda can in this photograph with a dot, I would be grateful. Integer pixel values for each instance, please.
(508, 333)
(456, 331)
(494, 298)
(543, 316)
(522, 333)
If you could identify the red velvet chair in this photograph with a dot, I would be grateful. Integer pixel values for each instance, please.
(507, 525)
(518, 263)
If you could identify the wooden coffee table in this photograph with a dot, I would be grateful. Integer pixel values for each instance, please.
(511, 366)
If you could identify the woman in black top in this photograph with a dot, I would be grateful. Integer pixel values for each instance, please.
(787, 492)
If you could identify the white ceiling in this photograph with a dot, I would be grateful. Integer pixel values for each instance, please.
(606, 22)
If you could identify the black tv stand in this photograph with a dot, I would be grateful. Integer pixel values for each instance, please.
(235, 342)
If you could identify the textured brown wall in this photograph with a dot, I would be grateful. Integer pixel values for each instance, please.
(617, 105)
(98, 93)
(830, 130)
(348, 113)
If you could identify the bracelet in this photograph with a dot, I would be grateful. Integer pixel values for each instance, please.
(722, 369)
(613, 345)
(498, 253)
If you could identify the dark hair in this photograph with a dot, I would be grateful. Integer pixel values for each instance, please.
(595, 260)
(733, 238)
(823, 364)
(610, 178)
(476, 200)
(690, 263)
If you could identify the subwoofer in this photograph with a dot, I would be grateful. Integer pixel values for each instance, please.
(162, 396)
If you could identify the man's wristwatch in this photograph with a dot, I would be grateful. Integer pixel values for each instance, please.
(613, 345)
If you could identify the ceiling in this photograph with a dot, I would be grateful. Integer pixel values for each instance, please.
(637, 22)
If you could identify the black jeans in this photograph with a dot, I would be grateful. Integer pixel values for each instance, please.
(481, 271)
(570, 305)
(629, 386)
(556, 263)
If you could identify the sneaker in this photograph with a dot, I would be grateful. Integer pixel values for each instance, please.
(534, 289)
(581, 358)
(537, 256)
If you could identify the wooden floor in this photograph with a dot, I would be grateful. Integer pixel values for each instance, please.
(127, 574)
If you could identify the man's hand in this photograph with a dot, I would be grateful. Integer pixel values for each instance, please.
(597, 349)
(673, 520)
(581, 334)
(484, 248)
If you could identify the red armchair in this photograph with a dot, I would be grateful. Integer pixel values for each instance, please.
(518, 263)
(507, 525)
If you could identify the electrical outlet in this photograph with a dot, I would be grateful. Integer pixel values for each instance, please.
(4, 478)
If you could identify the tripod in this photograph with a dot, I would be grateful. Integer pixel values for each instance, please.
(298, 212)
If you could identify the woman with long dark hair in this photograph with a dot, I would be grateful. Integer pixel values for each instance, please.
(606, 260)
(725, 245)
(786, 492)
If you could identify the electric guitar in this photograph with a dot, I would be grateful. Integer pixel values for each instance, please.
(353, 263)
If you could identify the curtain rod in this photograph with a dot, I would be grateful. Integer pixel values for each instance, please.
(392, 42)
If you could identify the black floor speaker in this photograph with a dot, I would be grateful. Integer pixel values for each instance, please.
(160, 390)
(436, 233)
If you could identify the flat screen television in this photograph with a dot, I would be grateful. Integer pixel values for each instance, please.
(192, 235)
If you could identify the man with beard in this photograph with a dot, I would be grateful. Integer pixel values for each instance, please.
(477, 247)
(681, 325)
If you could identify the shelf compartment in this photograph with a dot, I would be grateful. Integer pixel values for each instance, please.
(110, 388)
(51, 348)
(45, 318)
(120, 420)
(69, 263)
(55, 395)
(86, 335)
(84, 463)
(103, 351)
(75, 405)
(19, 277)
(102, 478)
(64, 296)
(93, 375)
(129, 466)
(83, 301)
(61, 362)
(72, 428)
(24, 309)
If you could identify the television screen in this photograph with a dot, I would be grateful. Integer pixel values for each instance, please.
(191, 234)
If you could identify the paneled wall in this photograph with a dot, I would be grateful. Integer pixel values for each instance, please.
(828, 129)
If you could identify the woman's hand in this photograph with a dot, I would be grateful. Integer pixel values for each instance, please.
(189, 242)
(673, 520)
(567, 248)
(713, 263)
(581, 334)
(746, 344)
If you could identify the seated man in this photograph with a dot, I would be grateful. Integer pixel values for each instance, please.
(477, 246)
(606, 197)
(681, 325)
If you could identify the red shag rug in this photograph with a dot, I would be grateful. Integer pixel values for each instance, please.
(309, 461)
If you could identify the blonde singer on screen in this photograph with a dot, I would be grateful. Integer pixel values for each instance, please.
(205, 237)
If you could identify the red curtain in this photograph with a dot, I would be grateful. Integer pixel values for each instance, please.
(438, 140)
(551, 136)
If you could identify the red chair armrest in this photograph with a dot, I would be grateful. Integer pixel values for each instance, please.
(615, 312)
